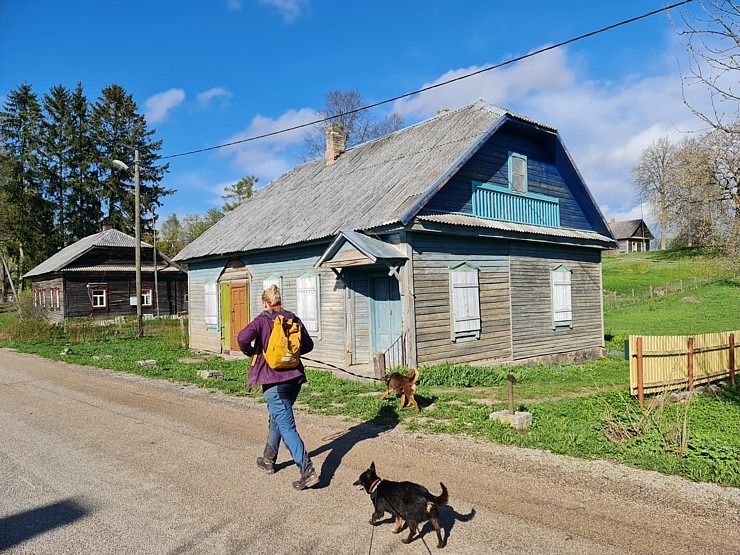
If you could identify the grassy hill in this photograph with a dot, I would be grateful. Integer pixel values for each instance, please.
(692, 293)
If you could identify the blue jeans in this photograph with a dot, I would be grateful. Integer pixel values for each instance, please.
(280, 399)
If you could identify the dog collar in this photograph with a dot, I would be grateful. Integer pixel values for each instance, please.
(374, 485)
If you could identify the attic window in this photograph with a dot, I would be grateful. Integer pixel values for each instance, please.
(518, 173)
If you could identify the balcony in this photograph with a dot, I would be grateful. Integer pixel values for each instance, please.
(497, 203)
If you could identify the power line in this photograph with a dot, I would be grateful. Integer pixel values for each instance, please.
(443, 83)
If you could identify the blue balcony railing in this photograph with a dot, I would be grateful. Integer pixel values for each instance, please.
(495, 203)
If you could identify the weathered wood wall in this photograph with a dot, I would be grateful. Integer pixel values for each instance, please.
(433, 256)
(47, 285)
(203, 337)
(548, 174)
(531, 300)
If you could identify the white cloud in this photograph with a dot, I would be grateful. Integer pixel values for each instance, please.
(204, 98)
(159, 105)
(272, 156)
(290, 10)
(234, 5)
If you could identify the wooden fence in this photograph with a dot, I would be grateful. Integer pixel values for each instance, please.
(664, 363)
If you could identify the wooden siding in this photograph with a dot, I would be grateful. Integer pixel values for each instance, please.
(531, 300)
(202, 337)
(549, 174)
(45, 287)
(329, 343)
(433, 256)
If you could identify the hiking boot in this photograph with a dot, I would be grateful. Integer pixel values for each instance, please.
(307, 480)
(267, 466)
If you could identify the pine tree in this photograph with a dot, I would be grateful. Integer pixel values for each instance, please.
(239, 192)
(29, 215)
(118, 131)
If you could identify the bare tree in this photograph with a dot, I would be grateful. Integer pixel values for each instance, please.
(711, 37)
(654, 178)
(360, 125)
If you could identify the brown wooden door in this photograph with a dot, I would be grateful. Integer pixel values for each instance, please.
(239, 312)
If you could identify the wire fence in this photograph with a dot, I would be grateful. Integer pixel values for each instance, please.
(614, 299)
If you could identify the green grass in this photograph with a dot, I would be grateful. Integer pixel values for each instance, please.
(639, 271)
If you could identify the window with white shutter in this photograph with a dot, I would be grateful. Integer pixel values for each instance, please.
(211, 303)
(517, 173)
(562, 309)
(272, 280)
(464, 303)
(307, 289)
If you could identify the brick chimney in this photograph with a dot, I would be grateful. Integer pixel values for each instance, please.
(334, 142)
(107, 228)
(612, 221)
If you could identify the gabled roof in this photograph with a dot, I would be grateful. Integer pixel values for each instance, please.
(368, 186)
(384, 182)
(630, 228)
(108, 238)
(368, 248)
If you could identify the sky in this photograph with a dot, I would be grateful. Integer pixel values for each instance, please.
(206, 73)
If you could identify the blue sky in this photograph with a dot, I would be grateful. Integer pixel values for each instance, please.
(211, 72)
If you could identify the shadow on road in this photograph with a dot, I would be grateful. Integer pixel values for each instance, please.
(339, 445)
(17, 528)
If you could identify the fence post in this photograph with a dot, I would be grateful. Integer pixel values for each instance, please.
(691, 363)
(640, 382)
(633, 296)
(615, 299)
(651, 293)
(732, 358)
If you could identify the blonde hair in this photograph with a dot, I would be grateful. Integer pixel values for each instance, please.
(271, 296)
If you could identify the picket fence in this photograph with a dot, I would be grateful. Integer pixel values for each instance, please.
(666, 363)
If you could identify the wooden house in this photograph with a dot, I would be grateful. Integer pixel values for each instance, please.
(468, 238)
(632, 236)
(96, 277)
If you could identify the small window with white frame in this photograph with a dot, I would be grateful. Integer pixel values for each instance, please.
(147, 297)
(517, 173)
(465, 323)
(308, 294)
(99, 298)
(562, 308)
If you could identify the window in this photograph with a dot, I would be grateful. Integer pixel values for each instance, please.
(43, 298)
(55, 304)
(517, 173)
(147, 296)
(464, 303)
(210, 290)
(307, 287)
(562, 310)
(272, 280)
(99, 299)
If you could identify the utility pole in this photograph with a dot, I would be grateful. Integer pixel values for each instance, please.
(137, 246)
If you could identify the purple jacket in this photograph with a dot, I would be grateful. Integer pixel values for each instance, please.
(255, 335)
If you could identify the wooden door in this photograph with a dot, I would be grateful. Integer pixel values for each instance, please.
(385, 312)
(239, 312)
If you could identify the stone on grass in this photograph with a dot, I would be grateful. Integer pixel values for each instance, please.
(521, 420)
(151, 363)
(102, 357)
(211, 374)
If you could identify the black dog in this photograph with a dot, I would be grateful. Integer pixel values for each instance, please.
(406, 501)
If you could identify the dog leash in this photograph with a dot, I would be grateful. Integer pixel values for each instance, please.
(341, 369)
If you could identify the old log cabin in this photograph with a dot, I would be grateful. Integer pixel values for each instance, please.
(467, 238)
(96, 277)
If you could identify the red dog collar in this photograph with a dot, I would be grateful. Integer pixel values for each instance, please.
(374, 485)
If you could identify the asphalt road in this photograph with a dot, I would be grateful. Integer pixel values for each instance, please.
(96, 462)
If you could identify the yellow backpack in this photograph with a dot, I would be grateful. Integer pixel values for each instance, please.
(283, 351)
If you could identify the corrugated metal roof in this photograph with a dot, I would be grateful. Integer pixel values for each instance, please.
(368, 186)
(370, 246)
(471, 221)
(107, 238)
(118, 268)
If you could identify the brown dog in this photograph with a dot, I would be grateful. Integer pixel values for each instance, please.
(405, 385)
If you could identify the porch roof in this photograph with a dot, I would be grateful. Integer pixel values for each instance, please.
(351, 248)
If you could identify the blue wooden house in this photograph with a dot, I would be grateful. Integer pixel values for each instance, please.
(468, 238)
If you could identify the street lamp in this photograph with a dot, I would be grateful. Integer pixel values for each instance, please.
(137, 245)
